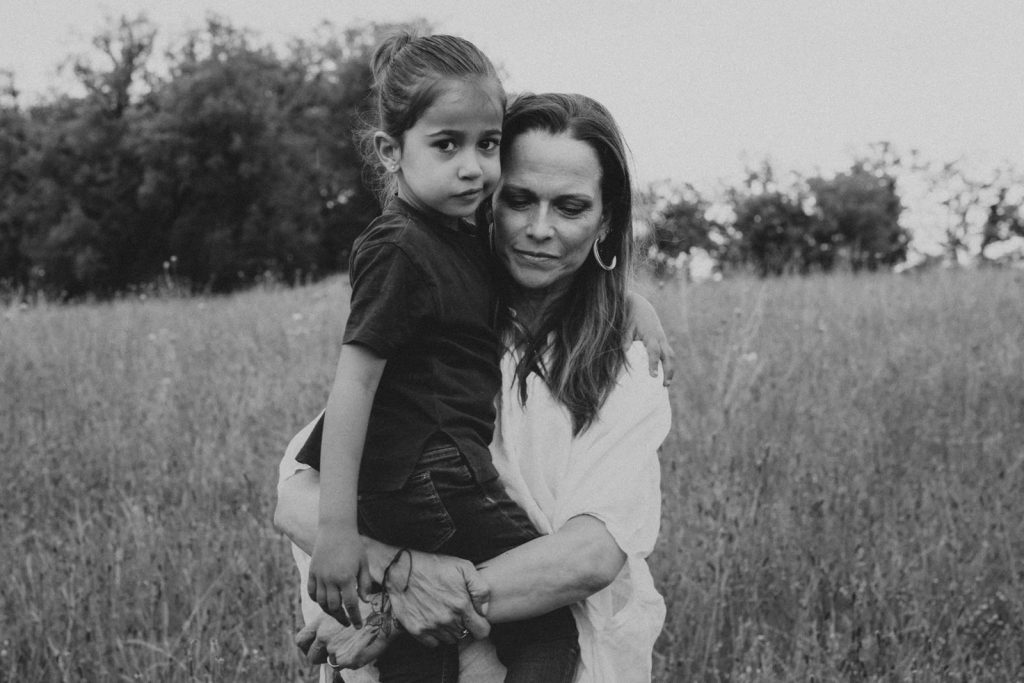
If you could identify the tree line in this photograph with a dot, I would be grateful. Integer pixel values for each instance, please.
(233, 161)
(853, 219)
(222, 160)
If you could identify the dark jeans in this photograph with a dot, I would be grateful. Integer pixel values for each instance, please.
(443, 509)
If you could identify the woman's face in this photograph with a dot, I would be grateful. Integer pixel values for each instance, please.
(547, 209)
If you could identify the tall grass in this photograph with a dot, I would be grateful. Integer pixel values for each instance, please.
(843, 485)
(843, 488)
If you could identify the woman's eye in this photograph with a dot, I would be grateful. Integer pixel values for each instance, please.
(446, 145)
(572, 210)
(514, 202)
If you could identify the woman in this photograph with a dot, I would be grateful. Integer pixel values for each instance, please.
(579, 421)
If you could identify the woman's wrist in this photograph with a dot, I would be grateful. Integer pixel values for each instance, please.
(378, 556)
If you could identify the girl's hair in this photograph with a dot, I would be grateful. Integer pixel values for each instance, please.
(408, 74)
(578, 349)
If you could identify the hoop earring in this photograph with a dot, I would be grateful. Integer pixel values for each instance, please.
(597, 257)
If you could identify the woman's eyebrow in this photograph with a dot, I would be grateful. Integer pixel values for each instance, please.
(512, 187)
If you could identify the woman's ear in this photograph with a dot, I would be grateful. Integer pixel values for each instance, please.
(389, 151)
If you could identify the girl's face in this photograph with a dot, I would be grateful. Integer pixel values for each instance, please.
(448, 161)
(547, 209)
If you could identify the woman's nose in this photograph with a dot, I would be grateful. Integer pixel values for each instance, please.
(540, 227)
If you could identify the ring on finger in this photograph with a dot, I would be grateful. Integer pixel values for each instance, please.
(463, 633)
(333, 664)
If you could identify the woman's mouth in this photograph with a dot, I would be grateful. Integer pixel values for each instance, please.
(535, 256)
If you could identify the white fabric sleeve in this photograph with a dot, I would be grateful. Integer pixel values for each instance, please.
(289, 465)
(614, 473)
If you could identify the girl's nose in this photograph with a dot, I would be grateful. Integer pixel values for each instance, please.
(470, 167)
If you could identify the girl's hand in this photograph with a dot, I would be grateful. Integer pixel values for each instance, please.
(438, 598)
(348, 648)
(645, 325)
(338, 575)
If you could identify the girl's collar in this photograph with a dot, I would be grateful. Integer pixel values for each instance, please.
(429, 216)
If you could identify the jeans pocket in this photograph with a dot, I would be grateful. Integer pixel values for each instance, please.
(413, 517)
(449, 471)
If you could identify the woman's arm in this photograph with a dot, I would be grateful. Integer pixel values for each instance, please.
(552, 571)
(455, 596)
(549, 572)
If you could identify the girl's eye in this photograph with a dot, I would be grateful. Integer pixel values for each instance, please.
(489, 145)
(446, 146)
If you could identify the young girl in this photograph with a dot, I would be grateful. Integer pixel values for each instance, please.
(404, 447)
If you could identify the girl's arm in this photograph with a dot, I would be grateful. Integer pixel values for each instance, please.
(645, 325)
(337, 573)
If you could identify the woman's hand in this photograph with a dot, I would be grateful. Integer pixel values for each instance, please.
(438, 598)
(645, 325)
(349, 648)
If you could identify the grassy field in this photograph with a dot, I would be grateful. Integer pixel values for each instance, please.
(843, 487)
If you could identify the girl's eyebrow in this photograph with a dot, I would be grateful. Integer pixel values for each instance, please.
(455, 131)
(451, 133)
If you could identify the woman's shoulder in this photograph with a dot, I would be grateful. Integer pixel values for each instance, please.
(637, 395)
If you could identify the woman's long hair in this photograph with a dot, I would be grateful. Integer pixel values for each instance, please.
(579, 346)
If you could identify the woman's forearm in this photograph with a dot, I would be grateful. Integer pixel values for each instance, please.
(549, 572)
(552, 571)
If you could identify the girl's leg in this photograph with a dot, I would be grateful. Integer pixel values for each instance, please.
(443, 509)
(408, 661)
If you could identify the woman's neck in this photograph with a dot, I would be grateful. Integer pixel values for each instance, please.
(532, 306)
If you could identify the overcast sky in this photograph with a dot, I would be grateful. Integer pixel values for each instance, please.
(698, 87)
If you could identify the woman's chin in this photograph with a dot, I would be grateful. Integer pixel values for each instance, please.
(532, 280)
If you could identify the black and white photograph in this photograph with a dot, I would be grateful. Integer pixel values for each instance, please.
(564, 341)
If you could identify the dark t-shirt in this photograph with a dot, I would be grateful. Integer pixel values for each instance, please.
(424, 299)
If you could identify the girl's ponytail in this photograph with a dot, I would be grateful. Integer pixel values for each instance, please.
(385, 54)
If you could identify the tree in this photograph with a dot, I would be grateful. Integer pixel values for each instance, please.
(774, 232)
(236, 160)
(858, 217)
(250, 159)
(678, 219)
(1006, 203)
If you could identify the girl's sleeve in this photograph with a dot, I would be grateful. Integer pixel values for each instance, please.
(614, 472)
(391, 300)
